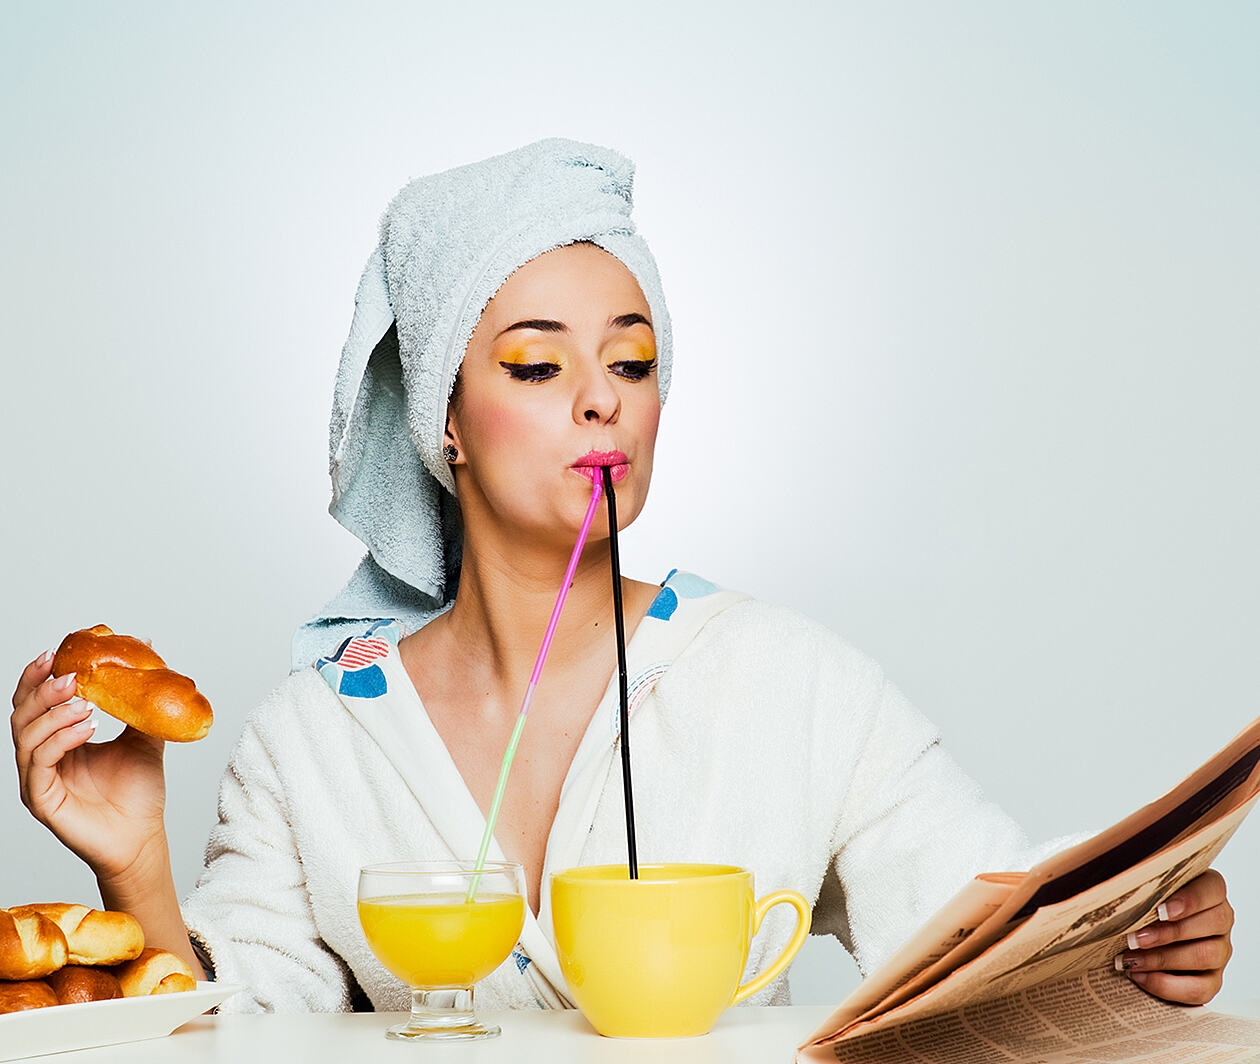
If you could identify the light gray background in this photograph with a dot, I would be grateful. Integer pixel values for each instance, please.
(965, 299)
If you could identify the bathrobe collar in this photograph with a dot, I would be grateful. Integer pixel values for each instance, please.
(368, 676)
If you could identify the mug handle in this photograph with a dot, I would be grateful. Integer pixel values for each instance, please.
(798, 902)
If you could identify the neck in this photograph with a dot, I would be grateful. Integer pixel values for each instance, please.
(504, 604)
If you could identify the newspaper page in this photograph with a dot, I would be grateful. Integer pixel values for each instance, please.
(959, 917)
(1099, 1017)
(1084, 932)
(1227, 782)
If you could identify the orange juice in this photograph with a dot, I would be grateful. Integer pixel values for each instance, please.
(442, 940)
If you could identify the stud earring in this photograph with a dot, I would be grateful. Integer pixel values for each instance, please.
(449, 453)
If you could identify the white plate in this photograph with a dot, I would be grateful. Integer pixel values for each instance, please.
(60, 1028)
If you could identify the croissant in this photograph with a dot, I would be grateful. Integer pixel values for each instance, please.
(155, 971)
(31, 946)
(92, 936)
(126, 678)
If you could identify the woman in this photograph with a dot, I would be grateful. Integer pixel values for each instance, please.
(517, 288)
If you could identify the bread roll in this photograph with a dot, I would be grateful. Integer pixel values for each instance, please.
(76, 983)
(126, 679)
(28, 994)
(92, 936)
(155, 971)
(31, 946)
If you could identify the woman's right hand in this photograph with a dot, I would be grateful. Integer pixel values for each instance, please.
(102, 800)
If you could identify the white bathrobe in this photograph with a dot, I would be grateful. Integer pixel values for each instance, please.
(760, 739)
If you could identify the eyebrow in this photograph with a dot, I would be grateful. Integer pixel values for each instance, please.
(621, 321)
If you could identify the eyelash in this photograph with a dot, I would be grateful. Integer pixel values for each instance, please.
(537, 372)
(531, 372)
(634, 369)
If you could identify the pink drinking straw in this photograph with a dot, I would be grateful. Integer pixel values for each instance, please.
(596, 489)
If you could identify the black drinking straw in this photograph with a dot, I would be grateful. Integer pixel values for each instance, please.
(621, 671)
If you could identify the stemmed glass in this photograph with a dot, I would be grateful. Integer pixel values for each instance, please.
(440, 926)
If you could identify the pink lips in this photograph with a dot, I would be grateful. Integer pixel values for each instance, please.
(589, 465)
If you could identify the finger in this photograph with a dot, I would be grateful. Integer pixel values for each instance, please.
(51, 692)
(1200, 893)
(1196, 989)
(45, 790)
(32, 676)
(1201, 955)
(1218, 920)
(42, 728)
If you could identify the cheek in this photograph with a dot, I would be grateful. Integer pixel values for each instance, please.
(655, 421)
(649, 419)
(495, 427)
(499, 425)
(649, 424)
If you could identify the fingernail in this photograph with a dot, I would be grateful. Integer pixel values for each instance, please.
(1171, 909)
(64, 683)
(1126, 963)
(45, 657)
(1138, 939)
(80, 707)
(88, 725)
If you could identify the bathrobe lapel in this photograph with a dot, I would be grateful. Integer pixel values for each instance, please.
(386, 704)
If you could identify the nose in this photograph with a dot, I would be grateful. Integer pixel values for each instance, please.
(596, 398)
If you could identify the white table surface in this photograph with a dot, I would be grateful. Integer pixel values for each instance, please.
(743, 1034)
(752, 1034)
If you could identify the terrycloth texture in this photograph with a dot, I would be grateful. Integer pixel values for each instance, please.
(760, 739)
(370, 592)
(448, 241)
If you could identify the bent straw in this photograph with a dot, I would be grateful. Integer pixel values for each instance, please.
(631, 848)
(510, 753)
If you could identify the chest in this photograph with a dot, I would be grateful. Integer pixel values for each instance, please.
(477, 741)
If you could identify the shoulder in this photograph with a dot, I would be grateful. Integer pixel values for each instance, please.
(715, 612)
(754, 630)
(298, 692)
(762, 648)
(300, 711)
(305, 711)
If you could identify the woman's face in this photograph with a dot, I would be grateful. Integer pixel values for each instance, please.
(560, 370)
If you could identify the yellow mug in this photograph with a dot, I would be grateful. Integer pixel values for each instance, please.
(661, 956)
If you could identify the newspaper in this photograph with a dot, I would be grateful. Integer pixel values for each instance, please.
(1038, 949)
(1099, 1017)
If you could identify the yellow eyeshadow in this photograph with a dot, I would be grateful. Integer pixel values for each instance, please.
(523, 356)
(634, 353)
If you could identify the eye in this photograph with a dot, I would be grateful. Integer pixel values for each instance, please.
(633, 369)
(531, 371)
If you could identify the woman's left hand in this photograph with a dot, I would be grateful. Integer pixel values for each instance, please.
(1182, 957)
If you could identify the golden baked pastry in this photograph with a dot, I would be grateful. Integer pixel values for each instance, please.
(31, 946)
(27, 994)
(93, 936)
(126, 678)
(77, 983)
(155, 971)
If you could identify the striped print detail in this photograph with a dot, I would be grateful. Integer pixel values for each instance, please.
(361, 652)
(637, 690)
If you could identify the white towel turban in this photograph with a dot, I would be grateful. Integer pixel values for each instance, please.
(448, 241)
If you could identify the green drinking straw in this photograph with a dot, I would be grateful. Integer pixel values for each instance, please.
(505, 768)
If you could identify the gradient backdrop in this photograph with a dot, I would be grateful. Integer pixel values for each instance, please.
(966, 310)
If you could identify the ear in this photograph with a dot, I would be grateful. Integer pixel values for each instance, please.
(451, 435)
